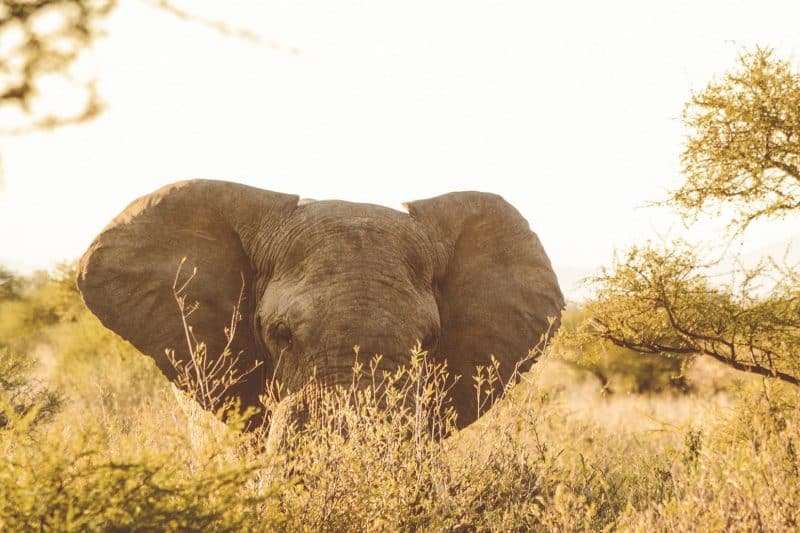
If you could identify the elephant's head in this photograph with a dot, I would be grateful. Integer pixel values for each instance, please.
(461, 272)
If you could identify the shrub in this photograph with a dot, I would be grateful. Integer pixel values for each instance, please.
(618, 369)
(740, 474)
(23, 401)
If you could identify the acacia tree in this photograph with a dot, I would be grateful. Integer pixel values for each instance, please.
(742, 152)
(743, 149)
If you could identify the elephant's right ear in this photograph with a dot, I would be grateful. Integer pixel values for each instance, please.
(496, 290)
(127, 274)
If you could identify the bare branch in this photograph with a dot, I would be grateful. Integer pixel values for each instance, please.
(209, 379)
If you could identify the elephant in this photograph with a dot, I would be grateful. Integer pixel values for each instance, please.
(461, 273)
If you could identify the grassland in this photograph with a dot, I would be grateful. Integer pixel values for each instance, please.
(93, 438)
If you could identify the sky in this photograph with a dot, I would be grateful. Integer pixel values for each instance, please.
(570, 110)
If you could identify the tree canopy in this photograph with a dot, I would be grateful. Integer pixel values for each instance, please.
(743, 148)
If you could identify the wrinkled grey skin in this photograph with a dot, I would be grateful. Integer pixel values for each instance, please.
(461, 272)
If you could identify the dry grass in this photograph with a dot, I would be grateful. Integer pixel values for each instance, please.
(126, 450)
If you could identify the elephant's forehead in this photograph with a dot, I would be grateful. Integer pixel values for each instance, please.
(350, 225)
(349, 234)
(342, 211)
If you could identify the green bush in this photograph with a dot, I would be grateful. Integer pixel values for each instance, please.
(23, 400)
(28, 305)
(78, 486)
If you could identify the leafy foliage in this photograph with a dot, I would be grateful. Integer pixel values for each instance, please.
(35, 302)
(23, 401)
(78, 488)
(743, 149)
(661, 301)
(738, 474)
(43, 42)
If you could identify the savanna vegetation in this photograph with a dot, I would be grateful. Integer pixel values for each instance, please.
(742, 157)
(93, 437)
(669, 401)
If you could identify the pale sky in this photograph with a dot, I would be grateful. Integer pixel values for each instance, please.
(570, 110)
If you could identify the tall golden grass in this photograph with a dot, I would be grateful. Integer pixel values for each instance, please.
(93, 438)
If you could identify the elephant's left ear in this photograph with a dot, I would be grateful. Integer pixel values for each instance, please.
(497, 291)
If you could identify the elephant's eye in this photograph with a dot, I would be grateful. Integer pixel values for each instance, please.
(281, 335)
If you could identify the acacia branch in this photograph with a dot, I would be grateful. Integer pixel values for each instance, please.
(656, 302)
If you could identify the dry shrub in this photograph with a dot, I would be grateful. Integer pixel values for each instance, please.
(383, 454)
(740, 474)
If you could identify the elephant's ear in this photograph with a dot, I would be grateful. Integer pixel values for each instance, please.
(127, 274)
(496, 289)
